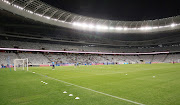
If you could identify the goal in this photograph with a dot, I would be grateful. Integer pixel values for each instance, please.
(178, 61)
(21, 64)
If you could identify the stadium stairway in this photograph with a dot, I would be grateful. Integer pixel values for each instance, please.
(152, 58)
(18, 56)
(165, 58)
(47, 57)
(138, 57)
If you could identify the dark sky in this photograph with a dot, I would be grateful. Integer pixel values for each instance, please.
(120, 9)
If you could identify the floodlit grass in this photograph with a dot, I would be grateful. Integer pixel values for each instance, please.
(25, 88)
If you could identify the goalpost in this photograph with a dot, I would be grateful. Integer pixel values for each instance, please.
(178, 60)
(21, 64)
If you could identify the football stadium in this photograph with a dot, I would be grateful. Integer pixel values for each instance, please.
(65, 52)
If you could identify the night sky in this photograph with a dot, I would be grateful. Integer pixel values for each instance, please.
(120, 9)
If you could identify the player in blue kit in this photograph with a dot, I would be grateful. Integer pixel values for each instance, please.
(53, 65)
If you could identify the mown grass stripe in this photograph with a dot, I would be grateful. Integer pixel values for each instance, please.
(137, 103)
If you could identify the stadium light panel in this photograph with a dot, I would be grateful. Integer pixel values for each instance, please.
(30, 11)
(119, 28)
(105, 27)
(75, 24)
(63, 21)
(173, 25)
(161, 26)
(78, 24)
(91, 26)
(134, 28)
(125, 28)
(147, 28)
(155, 27)
(111, 28)
(18, 7)
(38, 14)
(101, 27)
(166, 26)
(47, 17)
(142, 28)
(7, 2)
(54, 19)
(84, 25)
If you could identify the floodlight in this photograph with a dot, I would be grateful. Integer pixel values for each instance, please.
(155, 27)
(54, 19)
(173, 25)
(39, 14)
(125, 28)
(111, 28)
(101, 27)
(148, 28)
(84, 25)
(105, 27)
(161, 26)
(30, 11)
(142, 28)
(76, 24)
(98, 27)
(47, 17)
(166, 26)
(119, 28)
(134, 28)
(62, 21)
(91, 26)
(18, 7)
(7, 2)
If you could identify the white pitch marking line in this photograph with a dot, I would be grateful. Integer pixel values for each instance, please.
(97, 91)
(110, 73)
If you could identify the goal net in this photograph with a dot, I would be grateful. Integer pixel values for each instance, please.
(21, 64)
(178, 61)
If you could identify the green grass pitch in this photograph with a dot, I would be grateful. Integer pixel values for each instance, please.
(86, 82)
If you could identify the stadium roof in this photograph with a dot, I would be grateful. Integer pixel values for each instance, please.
(40, 11)
(127, 10)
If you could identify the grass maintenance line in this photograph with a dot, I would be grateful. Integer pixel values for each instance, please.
(137, 103)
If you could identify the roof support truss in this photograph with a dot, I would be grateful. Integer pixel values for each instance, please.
(46, 10)
(27, 3)
(61, 15)
(67, 17)
(38, 7)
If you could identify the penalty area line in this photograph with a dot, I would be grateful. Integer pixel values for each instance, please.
(137, 103)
